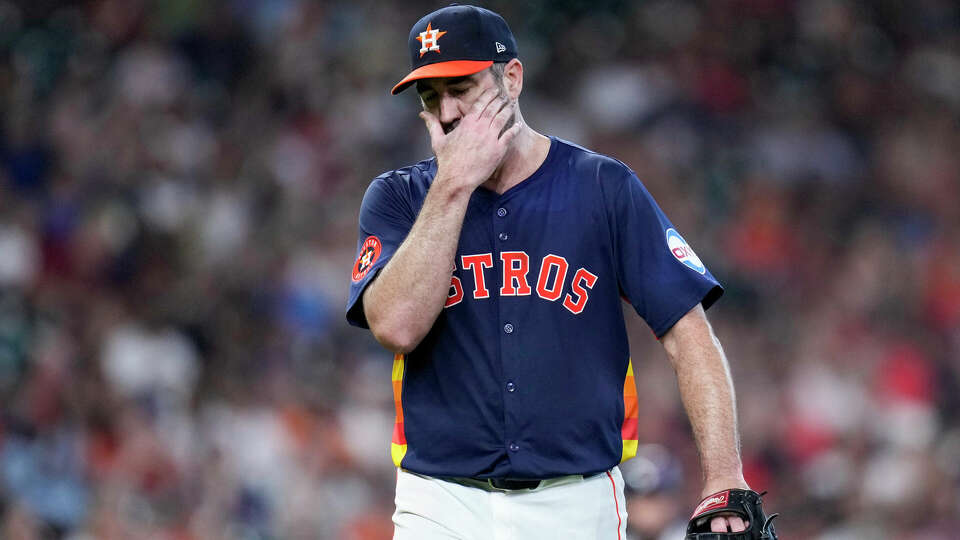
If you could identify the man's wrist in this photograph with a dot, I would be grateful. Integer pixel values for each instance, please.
(714, 485)
(451, 188)
(456, 184)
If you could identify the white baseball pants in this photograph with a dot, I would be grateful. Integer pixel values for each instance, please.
(568, 508)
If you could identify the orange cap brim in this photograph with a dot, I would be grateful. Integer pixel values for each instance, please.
(453, 68)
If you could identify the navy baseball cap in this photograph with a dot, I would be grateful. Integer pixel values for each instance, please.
(457, 41)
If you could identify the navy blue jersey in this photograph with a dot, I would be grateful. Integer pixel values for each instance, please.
(526, 372)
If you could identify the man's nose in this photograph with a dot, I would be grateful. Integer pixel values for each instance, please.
(449, 109)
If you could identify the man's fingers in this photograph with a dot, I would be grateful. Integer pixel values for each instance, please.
(718, 524)
(433, 125)
(494, 107)
(509, 134)
(736, 524)
(728, 524)
(482, 105)
(503, 115)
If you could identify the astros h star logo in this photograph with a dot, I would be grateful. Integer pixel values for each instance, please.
(428, 39)
(369, 253)
(366, 259)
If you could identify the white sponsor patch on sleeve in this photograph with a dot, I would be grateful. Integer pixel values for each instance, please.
(683, 252)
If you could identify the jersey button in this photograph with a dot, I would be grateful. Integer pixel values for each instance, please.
(504, 236)
(514, 447)
(511, 387)
(508, 328)
(501, 212)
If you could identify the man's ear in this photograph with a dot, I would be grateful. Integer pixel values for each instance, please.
(513, 78)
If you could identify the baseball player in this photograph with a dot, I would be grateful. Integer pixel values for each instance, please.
(495, 272)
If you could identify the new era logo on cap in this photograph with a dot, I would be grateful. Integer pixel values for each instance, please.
(456, 41)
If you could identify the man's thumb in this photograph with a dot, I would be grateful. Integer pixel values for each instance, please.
(433, 125)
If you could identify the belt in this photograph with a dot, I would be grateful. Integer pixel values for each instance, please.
(510, 484)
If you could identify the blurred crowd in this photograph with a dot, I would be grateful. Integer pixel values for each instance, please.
(179, 186)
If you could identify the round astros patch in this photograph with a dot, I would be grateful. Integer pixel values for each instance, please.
(369, 253)
(683, 252)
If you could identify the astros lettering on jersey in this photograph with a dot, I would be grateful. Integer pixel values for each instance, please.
(526, 372)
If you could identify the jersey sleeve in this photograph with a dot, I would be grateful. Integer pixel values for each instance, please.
(658, 271)
(385, 220)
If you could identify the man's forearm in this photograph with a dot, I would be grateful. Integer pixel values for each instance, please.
(403, 302)
(706, 390)
(405, 299)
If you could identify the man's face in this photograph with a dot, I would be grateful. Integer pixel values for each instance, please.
(450, 98)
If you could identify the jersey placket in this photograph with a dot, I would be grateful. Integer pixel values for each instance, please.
(508, 325)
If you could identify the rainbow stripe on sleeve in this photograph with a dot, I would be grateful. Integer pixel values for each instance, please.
(630, 414)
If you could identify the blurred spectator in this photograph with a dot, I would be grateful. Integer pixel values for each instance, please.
(179, 184)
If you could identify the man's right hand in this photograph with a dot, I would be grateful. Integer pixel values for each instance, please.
(469, 154)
